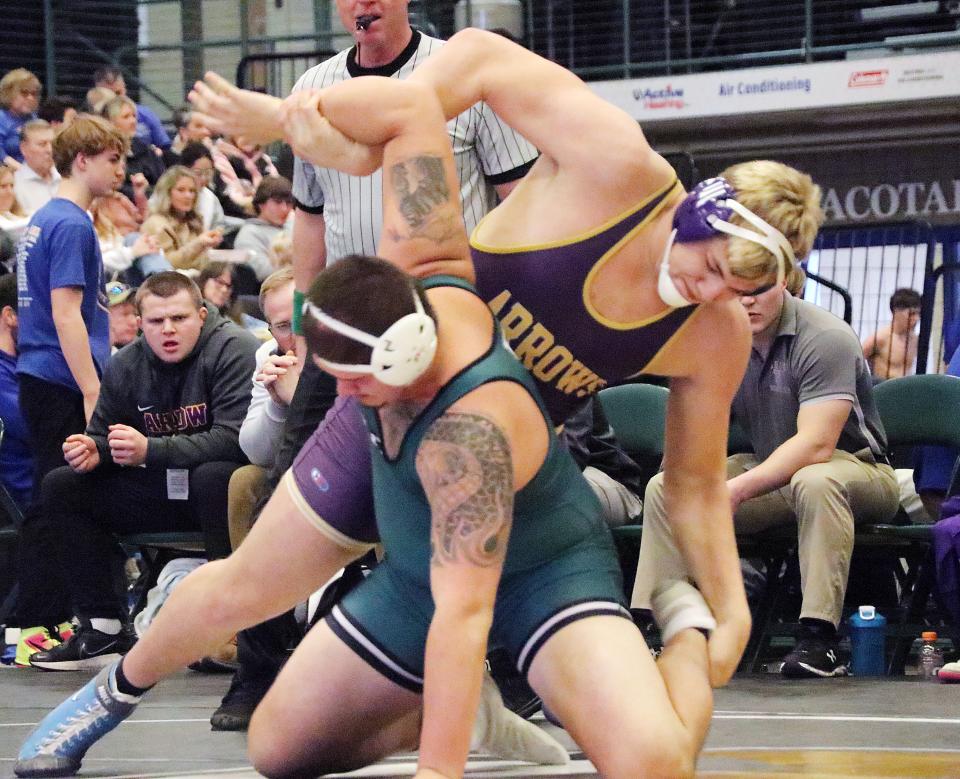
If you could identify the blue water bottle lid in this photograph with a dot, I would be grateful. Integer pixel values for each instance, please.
(868, 613)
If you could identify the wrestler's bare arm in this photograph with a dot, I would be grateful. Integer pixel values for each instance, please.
(695, 489)
(466, 467)
(543, 101)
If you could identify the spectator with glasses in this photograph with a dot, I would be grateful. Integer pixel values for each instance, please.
(123, 314)
(274, 381)
(196, 158)
(19, 97)
(273, 202)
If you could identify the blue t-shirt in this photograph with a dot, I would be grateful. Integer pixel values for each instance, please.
(16, 459)
(59, 248)
(10, 124)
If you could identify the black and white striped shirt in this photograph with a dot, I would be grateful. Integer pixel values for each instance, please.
(486, 152)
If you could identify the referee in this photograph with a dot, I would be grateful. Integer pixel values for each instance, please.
(337, 215)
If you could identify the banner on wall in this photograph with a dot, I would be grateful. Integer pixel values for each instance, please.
(875, 183)
(786, 87)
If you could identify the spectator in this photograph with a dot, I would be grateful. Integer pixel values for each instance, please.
(59, 111)
(149, 127)
(123, 314)
(162, 444)
(64, 344)
(122, 246)
(892, 350)
(273, 203)
(143, 157)
(13, 218)
(274, 381)
(189, 130)
(19, 95)
(819, 460)
(16, 458)
(216, 285)
(240, 168)
(197, 158)
(37, 179)
(175, 222)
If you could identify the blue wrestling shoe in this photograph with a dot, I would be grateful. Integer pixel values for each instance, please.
(59, 743)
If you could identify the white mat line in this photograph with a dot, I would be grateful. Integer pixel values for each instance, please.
(840, 718)
(780, 748)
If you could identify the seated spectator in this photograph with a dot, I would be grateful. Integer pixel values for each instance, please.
(143, 158)
(274, 381)
(175, 222)
(19, 95)
(58, 110)
(149, 127)
(240, 167)
(122, 246)
(196, 157)
(892, 350)
(16, 458)
(123, 314)
(273, 202)
(13, 217)
(37, 180)
(819, 461)
(188, 130)
(216, 282)
(172, 403)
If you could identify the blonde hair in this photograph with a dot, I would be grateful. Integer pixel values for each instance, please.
(102, 223)
(15, 80)
(796, 280)
(276, 280)
(161, 198)
(783, 196)
(112, 108)
(15, 208)
(98, 97)
(87, 135)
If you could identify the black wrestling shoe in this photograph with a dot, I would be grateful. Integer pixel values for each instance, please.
(813, 658)
(86, 650)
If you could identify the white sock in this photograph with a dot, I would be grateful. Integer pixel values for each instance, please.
(498, 731)
(109, 626)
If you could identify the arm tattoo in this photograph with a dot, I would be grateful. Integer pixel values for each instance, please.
(423, 197)
(466, 467)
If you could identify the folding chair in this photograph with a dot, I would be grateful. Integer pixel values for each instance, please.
(915, 410)
(156, 550)
(637, 413)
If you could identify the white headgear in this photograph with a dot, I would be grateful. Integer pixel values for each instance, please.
(400, 356)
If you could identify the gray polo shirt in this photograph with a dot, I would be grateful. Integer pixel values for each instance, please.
(815, 356)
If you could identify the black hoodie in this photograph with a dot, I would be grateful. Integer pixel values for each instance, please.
(189, 411)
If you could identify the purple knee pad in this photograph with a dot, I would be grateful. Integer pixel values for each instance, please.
(333, 472)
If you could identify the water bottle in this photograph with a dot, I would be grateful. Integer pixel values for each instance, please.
(868, 629)
(929, 659)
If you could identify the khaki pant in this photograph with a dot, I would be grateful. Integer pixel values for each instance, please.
(248, 484)
(825, 500)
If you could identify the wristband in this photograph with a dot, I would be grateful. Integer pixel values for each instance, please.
(298, 299)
